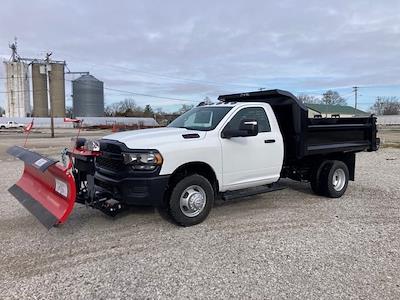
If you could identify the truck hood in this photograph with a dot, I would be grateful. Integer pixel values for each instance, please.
(154, 137)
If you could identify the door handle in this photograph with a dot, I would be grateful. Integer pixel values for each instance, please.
(269, 141)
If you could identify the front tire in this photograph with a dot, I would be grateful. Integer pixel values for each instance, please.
(191, 200)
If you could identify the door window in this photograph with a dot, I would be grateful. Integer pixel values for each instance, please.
(252, 113)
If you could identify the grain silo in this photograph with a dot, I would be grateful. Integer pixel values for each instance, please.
(57, 89)
(88, 97)
(39, 88)
(17, 88)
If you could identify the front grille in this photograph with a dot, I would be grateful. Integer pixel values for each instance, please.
(106, 146)
(111, 159)
(110, 164)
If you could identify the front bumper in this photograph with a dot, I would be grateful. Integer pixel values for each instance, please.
(146, 191)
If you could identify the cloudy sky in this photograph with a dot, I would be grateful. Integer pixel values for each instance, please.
(187, 50)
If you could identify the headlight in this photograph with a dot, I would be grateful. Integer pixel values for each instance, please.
(92, 145)
(143, 160)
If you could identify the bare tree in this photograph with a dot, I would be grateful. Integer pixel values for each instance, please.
(125, 108)
(309, 99)
(159, 111)
(2, 111)
(112, 109)
(127, 105)
(386, 106)
(333, 98)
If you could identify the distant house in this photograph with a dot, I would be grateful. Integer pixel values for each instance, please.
(328, 111)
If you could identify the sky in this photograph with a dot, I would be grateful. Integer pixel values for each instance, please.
(188, 50)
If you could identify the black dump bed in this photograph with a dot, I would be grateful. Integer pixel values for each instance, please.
(305, 136)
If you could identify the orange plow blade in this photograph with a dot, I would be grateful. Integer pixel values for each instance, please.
(46, 188)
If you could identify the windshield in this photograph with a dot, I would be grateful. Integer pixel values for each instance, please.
(201, 118)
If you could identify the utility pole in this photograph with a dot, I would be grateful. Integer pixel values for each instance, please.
(355, 90)
(379, 108)
(49, 100)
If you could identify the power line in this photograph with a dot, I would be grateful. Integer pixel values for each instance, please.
(208, 82)
(110, 89)
(140, 94)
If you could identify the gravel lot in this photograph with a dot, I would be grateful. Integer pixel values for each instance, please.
(286, 244)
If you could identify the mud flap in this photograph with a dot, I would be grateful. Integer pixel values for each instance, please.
(47, 189)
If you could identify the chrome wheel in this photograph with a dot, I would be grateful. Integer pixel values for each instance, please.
(339, 180)
(192, 201)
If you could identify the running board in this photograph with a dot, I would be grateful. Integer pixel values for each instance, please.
(230, 195)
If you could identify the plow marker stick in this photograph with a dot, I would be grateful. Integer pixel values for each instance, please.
(46, 188)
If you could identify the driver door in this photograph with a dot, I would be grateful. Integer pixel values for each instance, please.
(251, 160)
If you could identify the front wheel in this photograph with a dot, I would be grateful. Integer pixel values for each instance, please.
(191, 200)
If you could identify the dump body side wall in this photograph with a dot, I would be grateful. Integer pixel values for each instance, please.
(331, 135)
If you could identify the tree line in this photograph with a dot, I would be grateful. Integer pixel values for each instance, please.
(129, 108)
(386, 106)
(383, 105)
(329, 97)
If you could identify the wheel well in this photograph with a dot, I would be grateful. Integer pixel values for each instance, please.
(200, 168)
(347, 158)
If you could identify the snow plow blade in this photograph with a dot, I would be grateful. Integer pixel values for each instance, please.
(46, 188)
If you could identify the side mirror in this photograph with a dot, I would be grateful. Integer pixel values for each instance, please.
(246, 128)
(249, 126)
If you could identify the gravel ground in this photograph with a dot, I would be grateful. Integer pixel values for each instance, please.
(286, 244)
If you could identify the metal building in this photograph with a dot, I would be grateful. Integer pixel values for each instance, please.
(39, 87)
(17, 88)
(57, 89)
(88, 97)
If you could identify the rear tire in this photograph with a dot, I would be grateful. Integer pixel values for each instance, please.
(315, 182)
(333, 179)
(191, 200)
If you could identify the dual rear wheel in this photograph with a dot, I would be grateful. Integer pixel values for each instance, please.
(330, 179)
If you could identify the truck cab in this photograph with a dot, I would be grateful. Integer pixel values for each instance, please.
(231, 139)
